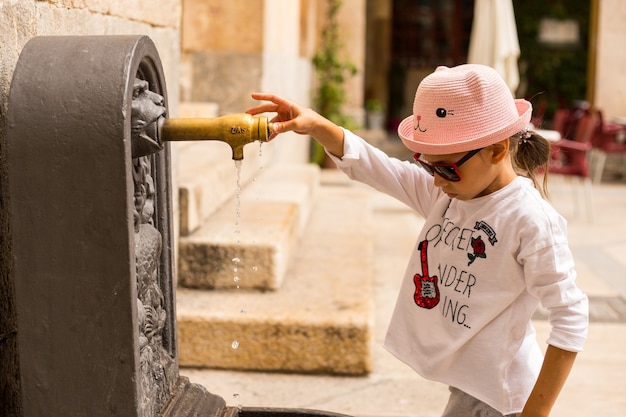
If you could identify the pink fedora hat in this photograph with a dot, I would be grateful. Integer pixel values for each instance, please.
(462, 108)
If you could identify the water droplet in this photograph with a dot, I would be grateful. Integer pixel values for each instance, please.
(236, 260)
(235, 395)
(255, 268)
(236, 278)
(235, 344)
(243, 311)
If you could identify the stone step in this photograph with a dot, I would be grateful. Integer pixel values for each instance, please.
(206, 174)
(273, 211)
(207, 178)
(321, 318)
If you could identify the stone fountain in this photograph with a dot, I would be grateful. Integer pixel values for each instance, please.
(90, 200)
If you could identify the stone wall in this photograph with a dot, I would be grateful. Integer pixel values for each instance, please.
(232, 49)
(20, 20)
(222, 52)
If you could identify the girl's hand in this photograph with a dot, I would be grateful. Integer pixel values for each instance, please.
(289, 116)
(304, 121)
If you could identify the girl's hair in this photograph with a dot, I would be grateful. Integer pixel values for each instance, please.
(531, 156)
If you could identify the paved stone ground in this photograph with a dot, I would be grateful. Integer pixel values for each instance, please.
(602, 309)
(595, 387)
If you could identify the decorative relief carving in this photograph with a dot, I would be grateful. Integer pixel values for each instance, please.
(147, 108)
(157, 377)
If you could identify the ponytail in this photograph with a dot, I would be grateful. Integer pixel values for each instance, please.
(531, 155)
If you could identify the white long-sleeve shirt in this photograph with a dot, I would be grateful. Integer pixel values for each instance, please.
(477, 274)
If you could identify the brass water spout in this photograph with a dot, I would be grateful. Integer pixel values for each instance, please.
(235, 129)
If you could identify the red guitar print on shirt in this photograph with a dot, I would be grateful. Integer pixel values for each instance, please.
(426, 289)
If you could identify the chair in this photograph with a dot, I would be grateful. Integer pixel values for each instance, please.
(570, 158)
(560, 121)
(609, 139)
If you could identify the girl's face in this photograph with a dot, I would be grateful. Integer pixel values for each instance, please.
(483, 173)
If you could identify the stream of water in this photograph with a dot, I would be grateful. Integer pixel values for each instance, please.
(235, 344)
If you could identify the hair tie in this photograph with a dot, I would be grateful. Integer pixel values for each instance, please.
(524, 135)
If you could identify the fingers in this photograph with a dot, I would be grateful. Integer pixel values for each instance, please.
(282, 126)
(268, 97)
(271, 107)
(276, 101)
(286, 111)
(263, 108)
(274, 126)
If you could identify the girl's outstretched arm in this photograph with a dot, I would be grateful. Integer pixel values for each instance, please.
(292, 117)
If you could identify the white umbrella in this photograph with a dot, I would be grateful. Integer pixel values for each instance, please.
(494, 39)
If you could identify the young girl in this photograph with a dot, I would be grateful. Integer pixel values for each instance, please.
(490, 250)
